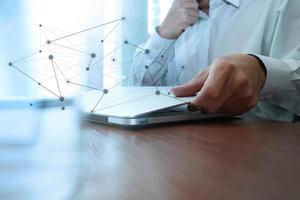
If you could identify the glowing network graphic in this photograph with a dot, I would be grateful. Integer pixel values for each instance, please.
(66, 63)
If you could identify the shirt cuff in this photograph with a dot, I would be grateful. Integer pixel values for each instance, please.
(278, 78)
(157, 43)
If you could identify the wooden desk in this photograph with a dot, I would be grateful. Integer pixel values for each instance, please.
(240, 159)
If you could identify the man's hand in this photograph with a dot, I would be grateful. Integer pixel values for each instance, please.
(182, 14)
(231, 85)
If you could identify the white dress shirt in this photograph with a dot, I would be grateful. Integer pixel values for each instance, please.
(270, 29)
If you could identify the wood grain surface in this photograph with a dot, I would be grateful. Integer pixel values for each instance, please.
(219, 159)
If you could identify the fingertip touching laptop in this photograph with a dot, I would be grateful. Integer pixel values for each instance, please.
(139, 106)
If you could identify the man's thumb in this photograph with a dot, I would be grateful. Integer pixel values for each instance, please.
(192, 87)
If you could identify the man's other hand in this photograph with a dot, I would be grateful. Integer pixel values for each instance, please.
(231, 85)
(182, 14)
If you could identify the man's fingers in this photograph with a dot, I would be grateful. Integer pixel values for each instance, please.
(196, 1)
(190, 17)
(190, 5)
(233, 86)
(192, 87)
(240, 102)
(191, 12)
(211, 96)
(182, 14)
(190, 20)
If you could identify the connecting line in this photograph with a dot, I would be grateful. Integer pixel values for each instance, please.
(50, 29)
(88, 67)
(114, 100)
(131, 100)
(56, 78)
(21, 59)
(88, 29)
(98, 103)
(60, 71)
(152, 78)
(70, 48)
(160, 79)
(173, 98)
(161, 67)
(54, 32)
(163, 53)
(108, 54)
(105, 37)
(45, 35)
(134, 45)
(40, 34)
(128, 78)
(177, 78)
(159, 70)
(84, 86)
(169, 47)
(40, 84)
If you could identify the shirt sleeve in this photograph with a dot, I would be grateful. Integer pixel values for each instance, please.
(282, 87)
(150, 62)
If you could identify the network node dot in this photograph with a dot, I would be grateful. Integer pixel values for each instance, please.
(40, 51)
(93, 55)
(10, 64)
(123, 18)
(40, 25)
(63, 108)
(92, 112)
(147, 51)
(39, 84)
(162, 56)
(146, 67)
(68, 82)
(125, 42)
(169, 93)
(113, 59)
(87, 69)
(183, 67)
(51, 57)
(48, 42)
(61, 99)
(102, 41)
(105, 91)
(31, 105)
(157, 92)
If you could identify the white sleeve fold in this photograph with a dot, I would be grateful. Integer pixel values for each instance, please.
(282, 87)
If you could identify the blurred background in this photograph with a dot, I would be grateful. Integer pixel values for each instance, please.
(26, 26)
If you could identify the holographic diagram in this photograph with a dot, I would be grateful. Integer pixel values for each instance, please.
(67, 63)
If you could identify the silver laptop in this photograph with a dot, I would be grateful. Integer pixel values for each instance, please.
(139, 106)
